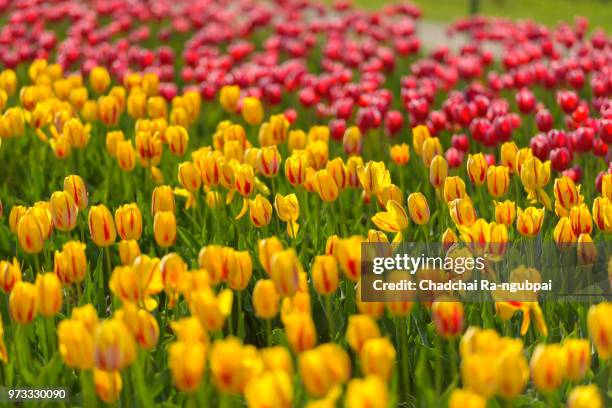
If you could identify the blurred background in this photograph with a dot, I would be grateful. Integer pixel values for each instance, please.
(550, 12)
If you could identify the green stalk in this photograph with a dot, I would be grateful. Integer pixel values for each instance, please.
(87, 389)
(330, 321)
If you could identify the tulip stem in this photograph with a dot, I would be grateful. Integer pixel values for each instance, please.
(452, 348)
(268, 331)
(88, 398)
(403, 323)
(438, 379)
(330, 320)
(107, 255)
(50, 334)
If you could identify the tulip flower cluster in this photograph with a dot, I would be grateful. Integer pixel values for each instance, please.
(186, 188)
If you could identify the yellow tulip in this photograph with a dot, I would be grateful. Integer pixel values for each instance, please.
(162, 200)
(606, 186)
(377, 357)
(325, 185)
(370, 391)
(108, 384)
(508, 153)
(578, 355)
(141, 324)
(17, 211)
(600, 328)
(447, 316)
(211, 309)
(252, 110)
(438, 171)
(260, 211)
(229, 96)
(99, 79)
(325, 274)
(164, 228)
(360, 328)
(23, 302)
(567, 195)
(63, 210)
(505, 212)
(114, 345)
(271, 389)
(461, 398)
(479, 374)
(400, 154)
(477, 168)
(394, 219)
(285, 269)
(548, 366)
(314, 373)
(563, 234)
(349, 256)
(76, 345)
(585, 396)
(420, 133)
(49, 294)
(128, 251)
(581, 220)
(454, 187)
(233, 365)
(498, 180)
(265, 299)
(189, 176)
(268, 161)
(187, 361)
(101, 226)
(178, 139)
(352, 141)
(534, 173)
(126, 155)
(529, 221)
(75, 186)
(30, 233)
(173, 272)
(462, 212)
(10, 274)
(301, 332)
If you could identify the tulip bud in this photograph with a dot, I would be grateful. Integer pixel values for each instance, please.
(548, 366)
(178, 139)
(49, 294)
(449, 238)
(420, 133)
(63, 210)
(287, 207)
(189, 176)
(606, 186)
(314, 373)
(460, 398)
(585, 396)
(301, 332)
(17, 211)
(268, 161)
(245, 180)
(187, 361)
(265, 299)
(240, 275)
(352, 141)
(508, 152)
(260, 211)
(513, 370)
(505, 212)
(115, 347)
(498, 180)
(10, 274)
(229, 96)
(23, 302)
(99, 79)
(400, 154)
(478, 374)
(108, 385)
(337, 170)
(128, 251)
(522, 156)
(141, 324)
(454, 187)
(477, 168)
(75, 344)
(30, 233)
(285, 269)
(75, 186)
(112, 139)
(349, 256)
(70, 264)
(128, 220)
(126, 155)
(431, 148)
(295, 169)
(462, 212)
(252, 110)
(360, 329)
(377, 357)
(578, 353)
(567, 195)
(266, 248)
(563, 234)
(368, 392)
(534, 173)
(101, 226)
(581, 220)
(529, 221)
(173, 272)
(325, 274)
(210, 309)
(162, 200)
(164, 228)
(448, 317)
(438, 170)
(600, 328)
(233, 365)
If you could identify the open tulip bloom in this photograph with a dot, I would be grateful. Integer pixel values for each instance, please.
(303, 204)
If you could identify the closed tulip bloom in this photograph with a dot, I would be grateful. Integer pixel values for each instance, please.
(477, 168)
(23, 302)
(70, 264)
(454, 187)
(361, 328)
(462, 212)
(233, 365)
(600, 328)
(76, 345)
(17, 211)
(8, 81)
(373, 177)
(326, 186)
(245, 180)
(285, 269)
(352, 141)
(164, 228)
(301, 332)
(265, 299)
(128, 220)
(563, 233)
(108, 384)
(109, 110)
(534, 173)
(75, 186)
(431, 148)
(295, 169)
(602, 214)
(229, 97)
(240, 275)
(141, 324)
(371, 392)
(419, 134)
(521, 157)
(287, 207)
(394, 219)
(389, 192)
(30, 233)
(461, 398)
(325, 274)
(529, 221)
(115, 347)
(580, 217)
(337, 169)
(314, 373)
(42, 211)
(578, 354)
(252, 110)
(479, 374)
(99, 79)
(377, 356)
(438, 171)
(101, 226)
(76, 133)
(296, 140)
(86, 314)
(400, 154)
(268, 161)
(418, 208)
(162, 200)
(187, 361)
(178, 139)
(349, 256)
(567, 195)
(266, 248)
(548, 366)
(189, 176)
(448, 317)
(128, 251)
(112, 139)
(498, 180)
(352, 165)
(149, 146)
(273, 388)
(10, 274)
(209, 169)
(505, 212)
(606, 186)
(508, 152)
(63, 210)
(157, 107)
(173, 272)
(260, 211)
(218, 261)
(126, 155)
(137, 104)
(513, 371)
(449, 238)
(585, 396)
(376, 236)
(189, 329)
